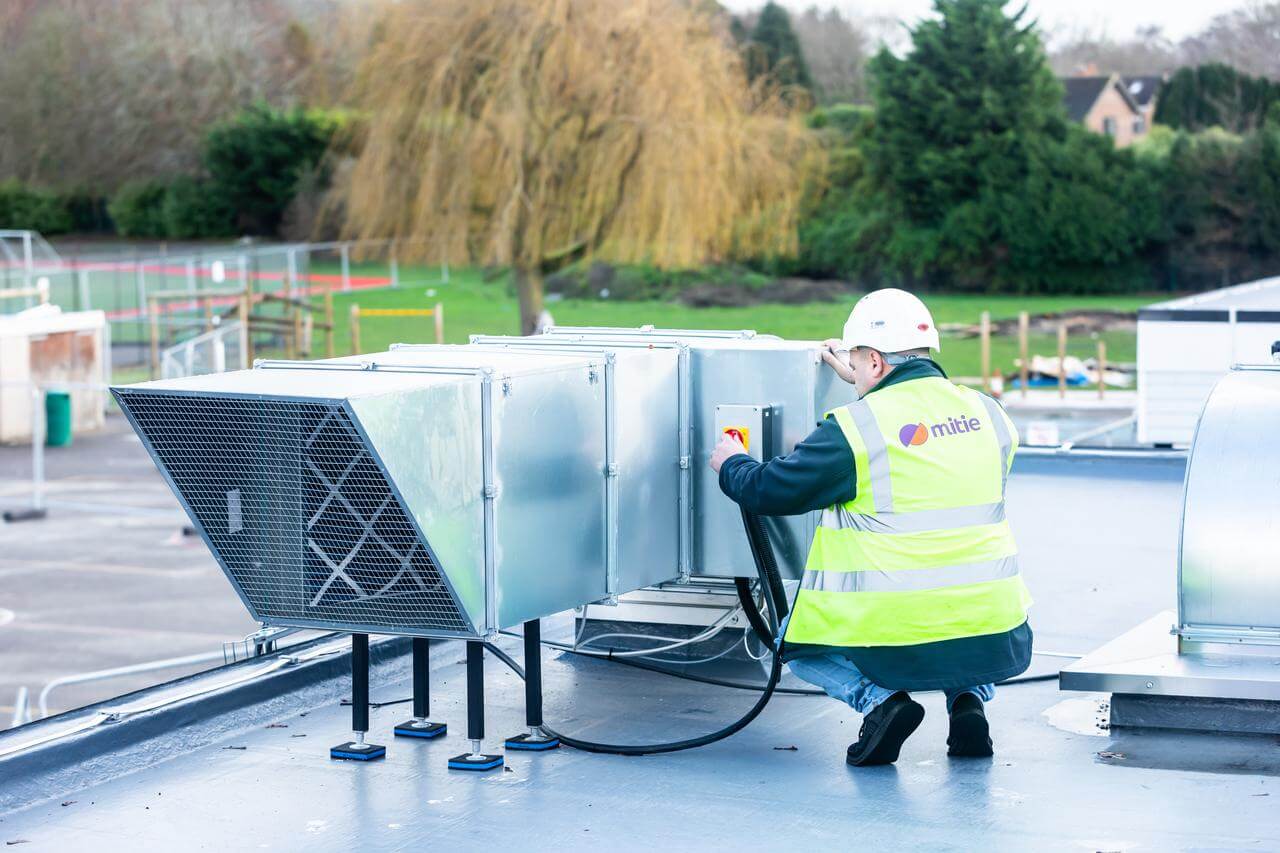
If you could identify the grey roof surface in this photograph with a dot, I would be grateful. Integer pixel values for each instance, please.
(1083, 92)
(1098, 540)
(1143, 88)
(1260, 295)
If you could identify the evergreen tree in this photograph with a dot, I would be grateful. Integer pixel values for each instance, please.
(977, 180)
(774, 50)
(1215, 95)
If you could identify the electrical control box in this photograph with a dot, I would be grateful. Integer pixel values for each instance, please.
(752, 425)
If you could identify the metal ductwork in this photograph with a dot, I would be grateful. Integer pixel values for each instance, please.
(1216, 662)
(457, 490)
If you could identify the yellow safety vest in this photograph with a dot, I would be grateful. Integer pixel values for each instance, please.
(923, 553)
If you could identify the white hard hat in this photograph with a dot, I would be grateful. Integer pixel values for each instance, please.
(890, 320)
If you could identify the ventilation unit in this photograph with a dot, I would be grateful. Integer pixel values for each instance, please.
(449, 498)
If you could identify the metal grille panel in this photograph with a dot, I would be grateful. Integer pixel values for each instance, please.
(297, 510)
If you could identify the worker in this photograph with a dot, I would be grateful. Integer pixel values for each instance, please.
(912, 578)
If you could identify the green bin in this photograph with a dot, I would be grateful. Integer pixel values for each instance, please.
(57, 411)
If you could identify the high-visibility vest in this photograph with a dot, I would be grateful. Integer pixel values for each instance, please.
(923, 553)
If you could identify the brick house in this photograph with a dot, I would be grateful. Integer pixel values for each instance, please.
(1119, 107)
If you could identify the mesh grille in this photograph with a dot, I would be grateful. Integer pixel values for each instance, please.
(297, 510)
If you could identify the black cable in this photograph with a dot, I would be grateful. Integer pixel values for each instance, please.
(761, 627)
(767, 568)
(658, 748)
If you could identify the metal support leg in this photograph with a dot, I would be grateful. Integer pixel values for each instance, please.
(419, 726)
(475, 760)
(535, 738)
(356, 749)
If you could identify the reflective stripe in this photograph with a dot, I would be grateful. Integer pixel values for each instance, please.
(839, 518)
(912, 580)
(1002, 433)
(877, 455)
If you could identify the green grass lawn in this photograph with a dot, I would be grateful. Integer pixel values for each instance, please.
(474, 306)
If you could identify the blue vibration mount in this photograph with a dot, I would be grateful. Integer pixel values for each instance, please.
(532, 743)
(420, 729)
(466, 761)
(352, 751)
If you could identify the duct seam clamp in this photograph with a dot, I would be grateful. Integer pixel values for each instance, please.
(506, 387)
(611, 470)
(684, 463)
(490, 492)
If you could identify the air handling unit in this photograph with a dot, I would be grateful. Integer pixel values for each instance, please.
(447, 497)
(455, 491)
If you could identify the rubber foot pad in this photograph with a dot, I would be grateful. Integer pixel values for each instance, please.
(16, 515)
(352, 751)
(423, 729)
(475, 762)
(529, 742)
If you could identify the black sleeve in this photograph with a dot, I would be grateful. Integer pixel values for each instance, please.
(817, 474)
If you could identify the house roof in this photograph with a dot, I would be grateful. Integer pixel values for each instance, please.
(1143, 89)
(1083, 92)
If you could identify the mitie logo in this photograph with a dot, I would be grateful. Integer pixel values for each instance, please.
(914, 434)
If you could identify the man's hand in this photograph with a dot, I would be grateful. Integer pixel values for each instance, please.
(727, 447)
(842, 370)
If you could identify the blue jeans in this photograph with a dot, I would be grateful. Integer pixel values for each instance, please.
(841, 680)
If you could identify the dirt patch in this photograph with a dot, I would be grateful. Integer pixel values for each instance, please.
(785, 291)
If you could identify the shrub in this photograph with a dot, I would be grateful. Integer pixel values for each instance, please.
(193, 208)
(137, 209)
(33, 210)
(256, 160)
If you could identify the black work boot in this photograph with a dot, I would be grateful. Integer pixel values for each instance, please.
(884, 729)
(970, 735)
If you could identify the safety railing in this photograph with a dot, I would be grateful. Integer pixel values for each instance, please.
(215, 351)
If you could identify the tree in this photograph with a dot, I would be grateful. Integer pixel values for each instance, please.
(774, 50)
(538, 132)
(836, 51)
(1244, 38)
(1084, 50)
(256, 159)
(1215, 95)
(954, 122)
(975, 178)
(95, 94)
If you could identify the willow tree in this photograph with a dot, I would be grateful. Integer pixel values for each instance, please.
(531, 133)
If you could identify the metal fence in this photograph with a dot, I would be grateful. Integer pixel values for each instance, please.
(219, 349)
(124, 287)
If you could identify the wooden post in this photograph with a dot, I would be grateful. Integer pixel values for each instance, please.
(154, 311)
(328, 319)
(985, 332)
(1062, 361)
(1024, 326)
(246, 333)
(439, 318)
(355, 329)
(296, 343)
(1102, 368)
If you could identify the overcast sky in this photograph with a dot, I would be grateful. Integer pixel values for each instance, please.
(1118, 18)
